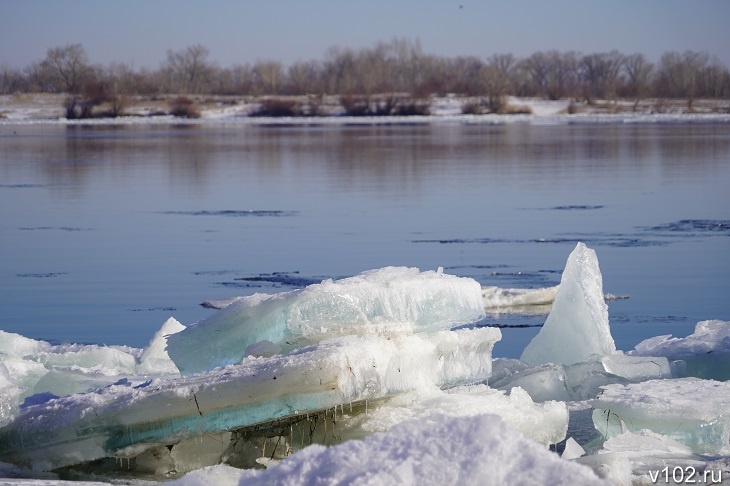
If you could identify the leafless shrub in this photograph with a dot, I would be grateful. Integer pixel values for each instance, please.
(184, 107)
(384, 105)
(278, 107)
(71, 106)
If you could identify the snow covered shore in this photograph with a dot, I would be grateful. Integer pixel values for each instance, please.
(47, 109)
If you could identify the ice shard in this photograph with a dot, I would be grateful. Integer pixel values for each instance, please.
(124, 420)
(577, 325)
(386, 301)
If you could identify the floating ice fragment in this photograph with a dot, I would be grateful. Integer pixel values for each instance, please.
(577, 326)
(496, 297)
(572, 449)
(579, 381)
(386, 301)
(706, 352)
(690, 410)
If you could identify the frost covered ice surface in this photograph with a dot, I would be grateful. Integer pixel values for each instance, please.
(385, 301)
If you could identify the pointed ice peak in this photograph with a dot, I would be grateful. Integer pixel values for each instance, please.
(577, 326)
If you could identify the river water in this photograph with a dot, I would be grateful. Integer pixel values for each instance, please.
(107, 231)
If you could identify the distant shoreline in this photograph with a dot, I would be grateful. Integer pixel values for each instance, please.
(47, 109)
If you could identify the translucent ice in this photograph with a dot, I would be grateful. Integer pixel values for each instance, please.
(542, 382)
(690, 410)
(579, 381)
(706, 352)
(577, 326)
(85, 427)
(386, 301)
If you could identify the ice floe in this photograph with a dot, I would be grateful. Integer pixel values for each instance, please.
(384, 377)
(387, 301)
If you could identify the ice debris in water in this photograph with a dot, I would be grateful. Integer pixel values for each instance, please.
(577, 326)
(89, 426)
(384, 301)
(704, 353)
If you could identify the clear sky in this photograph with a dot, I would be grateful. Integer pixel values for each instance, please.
(237, 31)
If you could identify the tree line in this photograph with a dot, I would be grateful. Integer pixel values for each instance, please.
(396, 66)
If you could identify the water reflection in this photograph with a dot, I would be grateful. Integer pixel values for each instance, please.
(396, 157)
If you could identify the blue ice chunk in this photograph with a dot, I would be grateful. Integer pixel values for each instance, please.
(387, 301)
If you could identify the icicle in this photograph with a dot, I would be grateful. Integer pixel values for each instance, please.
(366, 407)
(350, 406)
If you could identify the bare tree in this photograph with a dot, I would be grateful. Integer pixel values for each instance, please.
(268, 77)
(69, 65)
(188, 70)
(639, 74)
(679, 74)
(600, 74)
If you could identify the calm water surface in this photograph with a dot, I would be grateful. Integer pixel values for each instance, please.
(105, 232)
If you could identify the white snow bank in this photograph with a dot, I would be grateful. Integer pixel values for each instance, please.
(690, 410)
(545, 423)
(577, 326)
(89, 426)
(387, 301)
(706, 352)
(436, 450)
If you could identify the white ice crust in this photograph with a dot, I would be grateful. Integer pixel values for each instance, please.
(577, 326)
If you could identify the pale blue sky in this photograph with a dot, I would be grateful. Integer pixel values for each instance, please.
(141, 31)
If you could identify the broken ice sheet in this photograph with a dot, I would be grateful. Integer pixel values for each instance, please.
(385, 301)
(705, 352)
(89, 426)
(689, 410)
